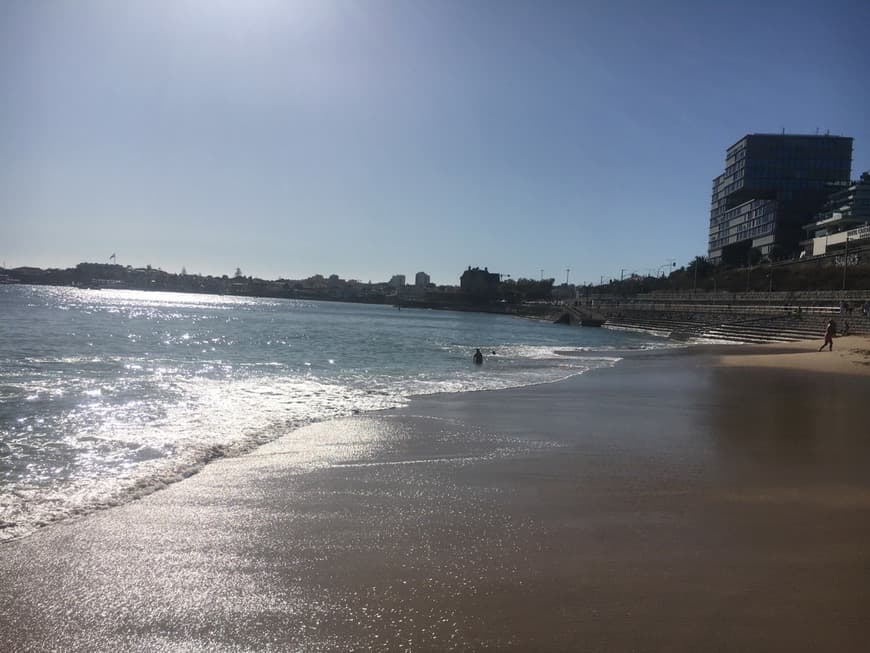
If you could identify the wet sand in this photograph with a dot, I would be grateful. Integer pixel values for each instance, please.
(673, 503)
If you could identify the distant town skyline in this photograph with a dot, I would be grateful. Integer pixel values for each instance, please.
(375, 139)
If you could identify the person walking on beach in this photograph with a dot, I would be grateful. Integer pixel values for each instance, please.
(830, 330)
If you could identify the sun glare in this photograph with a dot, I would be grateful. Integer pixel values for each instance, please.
(265, 15)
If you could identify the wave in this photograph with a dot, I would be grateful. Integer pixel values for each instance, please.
(135, 449)
(126, 392)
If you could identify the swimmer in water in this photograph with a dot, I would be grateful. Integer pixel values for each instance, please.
(478, 358)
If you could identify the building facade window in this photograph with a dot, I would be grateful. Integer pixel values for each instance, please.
(771, 185)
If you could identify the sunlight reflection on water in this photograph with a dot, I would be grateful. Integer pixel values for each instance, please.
(107, 393)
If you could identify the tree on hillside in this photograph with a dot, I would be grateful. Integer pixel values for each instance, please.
(701, 266)
(523, 290)
(696, 262)
(776, 253)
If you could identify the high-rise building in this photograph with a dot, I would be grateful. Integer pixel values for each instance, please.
(422, 280)
(773, 184)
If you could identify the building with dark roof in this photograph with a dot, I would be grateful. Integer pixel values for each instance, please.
(772, 186)
(480, 284)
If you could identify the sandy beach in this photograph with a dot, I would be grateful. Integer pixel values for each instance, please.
(707, 499)
(850, 355)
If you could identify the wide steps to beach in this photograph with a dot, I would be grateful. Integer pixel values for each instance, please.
(754, 329)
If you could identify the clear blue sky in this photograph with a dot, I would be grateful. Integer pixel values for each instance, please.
(378, 137)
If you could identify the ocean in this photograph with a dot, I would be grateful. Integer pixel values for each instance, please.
(106, 395)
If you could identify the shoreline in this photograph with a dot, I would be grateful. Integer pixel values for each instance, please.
(143, 485)
(672, 502)
(784, 355)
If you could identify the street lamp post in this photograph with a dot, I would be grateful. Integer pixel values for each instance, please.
(748, 271)
(845, 260)
(670, 263)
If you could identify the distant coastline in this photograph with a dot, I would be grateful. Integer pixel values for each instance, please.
(98, 276)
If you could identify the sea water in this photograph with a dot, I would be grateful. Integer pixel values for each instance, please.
(109, 394)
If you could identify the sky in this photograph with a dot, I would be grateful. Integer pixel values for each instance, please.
(377, 137)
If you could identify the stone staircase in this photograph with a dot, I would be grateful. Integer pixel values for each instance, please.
(761, 330)
(733, 328)
(570, 314)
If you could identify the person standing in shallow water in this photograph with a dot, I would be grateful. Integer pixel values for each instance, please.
(478, 358)
(830, 329)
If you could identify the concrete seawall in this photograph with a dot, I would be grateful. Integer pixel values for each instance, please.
(735, 317)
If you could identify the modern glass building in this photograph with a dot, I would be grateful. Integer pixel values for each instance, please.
(845, 217)
(773, 185)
